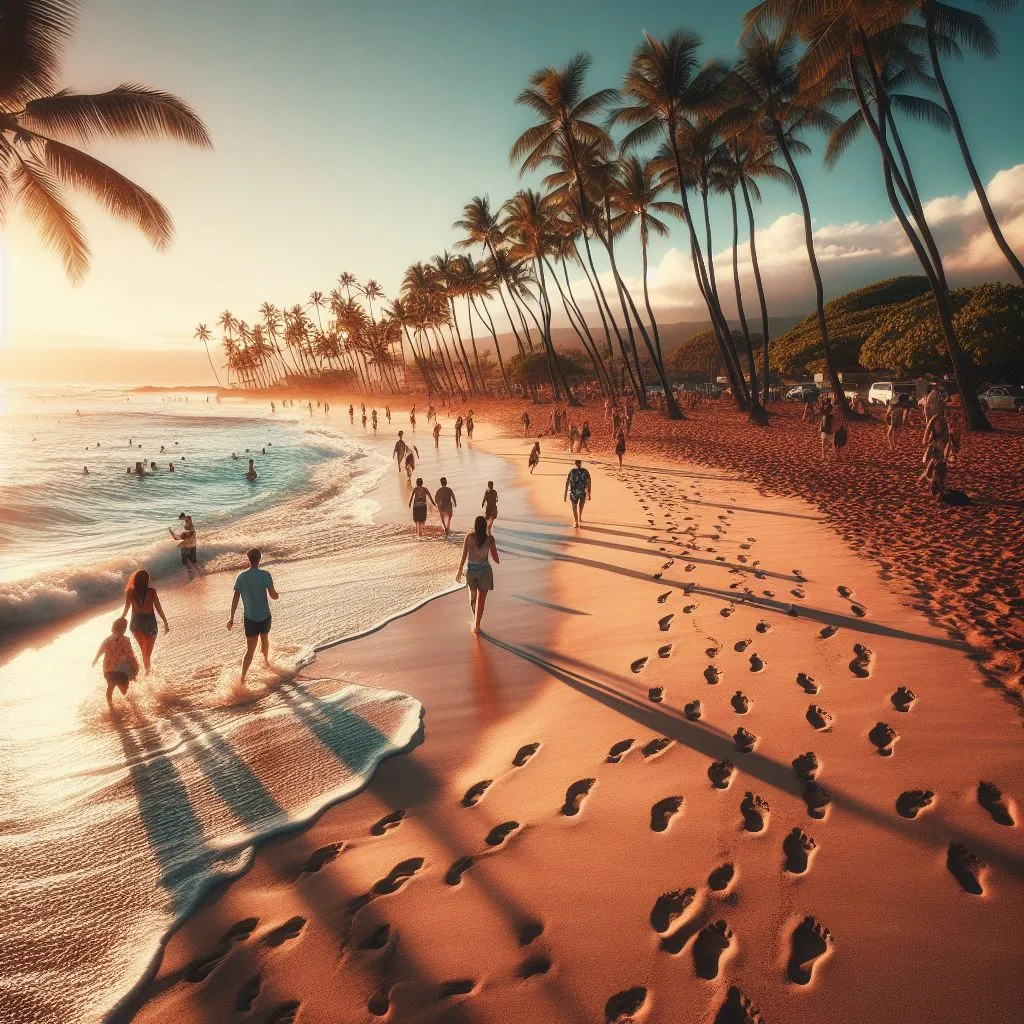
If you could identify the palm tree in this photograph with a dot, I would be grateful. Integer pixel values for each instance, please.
(40, 124)
(446, 268)
(203, 334)
(664, 86)
(768, 82)
(371, 290)
(316, 300)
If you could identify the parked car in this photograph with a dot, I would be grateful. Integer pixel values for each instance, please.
(803, 393)
(1003, 396)
(885, 390)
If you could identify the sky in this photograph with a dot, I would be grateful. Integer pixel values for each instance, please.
(349, 136)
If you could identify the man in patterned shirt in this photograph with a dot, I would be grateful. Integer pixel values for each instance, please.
(577, 491)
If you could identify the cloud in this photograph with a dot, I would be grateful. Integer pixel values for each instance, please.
(850, 255)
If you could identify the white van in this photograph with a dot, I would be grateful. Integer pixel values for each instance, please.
(885, 390)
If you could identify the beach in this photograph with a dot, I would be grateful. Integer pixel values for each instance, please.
(566, 840)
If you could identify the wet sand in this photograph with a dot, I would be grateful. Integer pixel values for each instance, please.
(569, 842)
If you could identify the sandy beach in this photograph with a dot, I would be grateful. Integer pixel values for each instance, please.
(570, 841)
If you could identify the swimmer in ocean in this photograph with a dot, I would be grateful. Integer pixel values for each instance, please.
(251, 472)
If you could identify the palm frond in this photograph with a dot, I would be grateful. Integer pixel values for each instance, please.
(595, 103)
(39, 195)
(121, 197)
(126, 112)
(920, 108)
(529, 141)
(31, 35)
(842, 138)
(963, 26)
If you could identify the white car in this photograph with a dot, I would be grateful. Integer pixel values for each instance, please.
(885, 391)
(1003, 396)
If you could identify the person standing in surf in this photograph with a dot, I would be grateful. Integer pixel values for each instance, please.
(577, 491)
(490, 505)
(437, 434)
(120, 666)
(145, 606)
(418, 502)
(477, 550)
(444, 502)
(187, 541)
(400, 449)
(458, 432)
(254, 585)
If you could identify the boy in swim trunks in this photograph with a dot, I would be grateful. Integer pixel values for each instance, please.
(120, 666)
(445, 501)
(254, 585)
(577, 491)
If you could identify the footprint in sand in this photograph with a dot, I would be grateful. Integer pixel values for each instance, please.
(712, 652)
(524, 754)
(457, 987)
(200, 969)
(501, 832)
(617, 751)
(285, 1013)
(665, 651)
(454, 874)
(247, 993)
(712, 675)
(528, 931)
(806, 766)
(663, 812)
(810, 942)
(861, 664)
(623, 1006)
(798, 847)
(738, 1009)
(637, 665)
(665, 622)
(376, 939)
(807, 683)
(664, 597)
(844, 592)
(389, 821)
(669, 906)
(318, 858)
(740, 702)
(575, 795)
(858, 610)
(709, 947)
(828, 632)
(741, 645)
(692, 711)
(379, 1004)
(285, 932)
(727, 611)
(392, 882)
(902, 699)
(756, 664)
(655, 747)
(668, 564)
(721, 878)
(883, 736)
(476, 792)
(755, 811)
(817, 798)
(818, 717)
(965, 868)
(532, 966)
(763, 627)
(656, 575)
(745, 741)
(720, 773)
(911, 802)
(990, 796)
(656, 694)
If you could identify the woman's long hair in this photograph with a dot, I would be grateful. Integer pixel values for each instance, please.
(480, 530)
(138, 586)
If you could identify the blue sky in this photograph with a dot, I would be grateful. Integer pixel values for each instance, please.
(349, 136)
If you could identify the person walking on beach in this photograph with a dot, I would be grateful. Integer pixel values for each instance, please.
(373, 420)
(445, 503)
(412, 417)
(620, 446)
(577, 491)
(145, 606)
(187, 544)
(534, 457)
(490, 505)
(418, 501)
(120, 666)
(469, 424)
(573, 438)
(526, 422)
(826, 427)
(387, 412)
(437, 434)
(585, 437)
(477, 550)
(458, 432)
(410, 460)
(254, 585)
(351, 413)
(398, 452)
(364, 417)
(431, 413)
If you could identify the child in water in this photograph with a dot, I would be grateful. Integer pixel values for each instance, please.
(120, 666)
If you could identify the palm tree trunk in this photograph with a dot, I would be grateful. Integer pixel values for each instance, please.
(972, 170)
(757, 414)
(489, 323)
(765, 337)
(647, 291)
(470, 381)
(210, 358)
(554, 363)
(586, 327)
(472, 339)
(819, 289)
(573, 314)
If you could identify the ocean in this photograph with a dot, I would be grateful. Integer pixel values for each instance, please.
(114, 827)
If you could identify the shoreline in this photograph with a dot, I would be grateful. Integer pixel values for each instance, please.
(532, 685)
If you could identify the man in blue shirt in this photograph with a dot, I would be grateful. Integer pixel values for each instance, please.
(253, 586)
